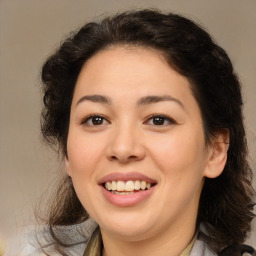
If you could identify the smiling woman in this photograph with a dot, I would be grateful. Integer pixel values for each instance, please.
(146, 110)
(143, 138)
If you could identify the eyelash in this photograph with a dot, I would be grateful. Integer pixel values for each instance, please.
(90, 117)
(161, 116)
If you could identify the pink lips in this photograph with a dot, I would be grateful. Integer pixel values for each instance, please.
(126, 200)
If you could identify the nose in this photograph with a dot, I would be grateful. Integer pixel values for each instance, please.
(125, 145)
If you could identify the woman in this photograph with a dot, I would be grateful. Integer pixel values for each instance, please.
(146, 110)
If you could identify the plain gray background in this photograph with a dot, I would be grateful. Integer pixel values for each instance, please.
(30, 30)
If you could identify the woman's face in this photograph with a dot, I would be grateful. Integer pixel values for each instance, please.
(136, 129)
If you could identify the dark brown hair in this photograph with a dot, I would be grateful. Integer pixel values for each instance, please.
(226, 202)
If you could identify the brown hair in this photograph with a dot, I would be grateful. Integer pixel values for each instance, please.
(226, 203)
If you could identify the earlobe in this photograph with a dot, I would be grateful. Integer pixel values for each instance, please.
(217, 156)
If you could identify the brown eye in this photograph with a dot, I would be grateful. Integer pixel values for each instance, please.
(160, 120)
(95, 120)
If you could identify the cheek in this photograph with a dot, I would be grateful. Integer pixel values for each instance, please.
(181, 158)
(181, 166)
(180, 150)
(84, 153)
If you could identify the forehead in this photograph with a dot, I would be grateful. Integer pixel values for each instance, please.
(125, 60)
(133, 68)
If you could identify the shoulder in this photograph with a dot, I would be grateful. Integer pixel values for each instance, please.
(31, 240)
(23, 243)
(201, 248)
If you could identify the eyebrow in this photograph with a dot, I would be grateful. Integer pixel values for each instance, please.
(141, 102)
(155, 99)
(95, 98)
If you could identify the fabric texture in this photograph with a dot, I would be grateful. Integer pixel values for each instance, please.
(29, 242)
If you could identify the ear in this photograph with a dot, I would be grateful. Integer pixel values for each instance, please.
(217, 154)
(67, 166)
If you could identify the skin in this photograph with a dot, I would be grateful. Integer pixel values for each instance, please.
(127, 139)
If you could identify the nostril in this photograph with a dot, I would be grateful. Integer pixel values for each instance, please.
(132, 157)
(124, 159)
(113, 157)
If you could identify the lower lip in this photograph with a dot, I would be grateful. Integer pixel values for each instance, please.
(127, 200)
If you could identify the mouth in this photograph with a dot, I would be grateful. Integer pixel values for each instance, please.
(120, 187)
(124, 189)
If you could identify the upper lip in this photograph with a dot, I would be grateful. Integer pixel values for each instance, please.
(115, 176)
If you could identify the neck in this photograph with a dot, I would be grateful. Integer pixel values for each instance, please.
(172, 242)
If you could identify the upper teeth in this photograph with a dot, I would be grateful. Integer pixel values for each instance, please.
(127, 186)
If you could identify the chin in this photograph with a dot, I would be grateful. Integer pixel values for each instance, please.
(130, 227)
(128, 233)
